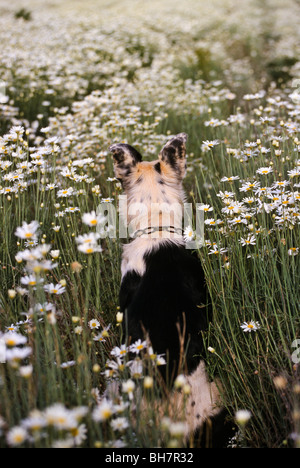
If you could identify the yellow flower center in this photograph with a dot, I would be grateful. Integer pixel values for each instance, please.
(106, 413)
(74, 431)
(10, 342)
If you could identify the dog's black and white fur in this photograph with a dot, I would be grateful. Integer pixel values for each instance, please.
(163, 290)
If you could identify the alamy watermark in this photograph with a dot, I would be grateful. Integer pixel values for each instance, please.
(155, 220)
(3, 95)
(2, 351)
(295, 95)
(296, 353)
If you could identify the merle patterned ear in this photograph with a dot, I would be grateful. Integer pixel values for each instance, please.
(125, 158)
(174, 154)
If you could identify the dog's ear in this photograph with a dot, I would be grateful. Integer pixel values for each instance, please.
(174, 154)
(125, 158)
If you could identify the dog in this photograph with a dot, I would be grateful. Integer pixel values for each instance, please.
(163, 291)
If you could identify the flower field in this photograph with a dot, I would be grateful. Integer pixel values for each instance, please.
(77, 77)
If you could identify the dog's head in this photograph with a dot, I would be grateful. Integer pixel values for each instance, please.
(145, 180)
(154, 198)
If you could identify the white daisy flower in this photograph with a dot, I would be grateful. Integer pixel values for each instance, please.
(250, 326)
(28, 231)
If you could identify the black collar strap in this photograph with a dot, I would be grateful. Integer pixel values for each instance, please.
(150, 230)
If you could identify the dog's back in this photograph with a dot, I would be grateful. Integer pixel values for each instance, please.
(169, 302)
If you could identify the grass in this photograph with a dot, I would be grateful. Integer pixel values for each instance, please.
(61, 358)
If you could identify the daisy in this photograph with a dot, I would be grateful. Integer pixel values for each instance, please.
(15, 355)
(67, 364)
(136, 368)
(89, 248)
(138, 346)
(35, 421)
(225, 194)
(264, 170)
(114, 366)
(90, 219)
(99, 338)
(65, 192)
(90, 238)
(103, 411)
(238, 220)
(31, 243)
(294, 172)
(247, 186)
(250, 326)
(94, 324)
(207, 145)
(69, 173)
(229, 179)
(160, 360)
(119, 351)
(119, 424)
(72, 209)
(249, 200)
(82, 162)
(251, 240)
(12, 328)
(13, 339)
(58, 416)
(16, 436)
(31, 280)
(232, 207)
(211, 222)
(54, 289)
(261, 191)
(217, 251)
(205, 208)
(293, 251)
(188, 234)
(212, 123)
(112, 179)
(79, 412)
(79, 434)
(16, 131)
(51, 186)
(28, 231)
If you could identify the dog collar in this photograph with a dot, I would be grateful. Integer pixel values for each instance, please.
(150, 230)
